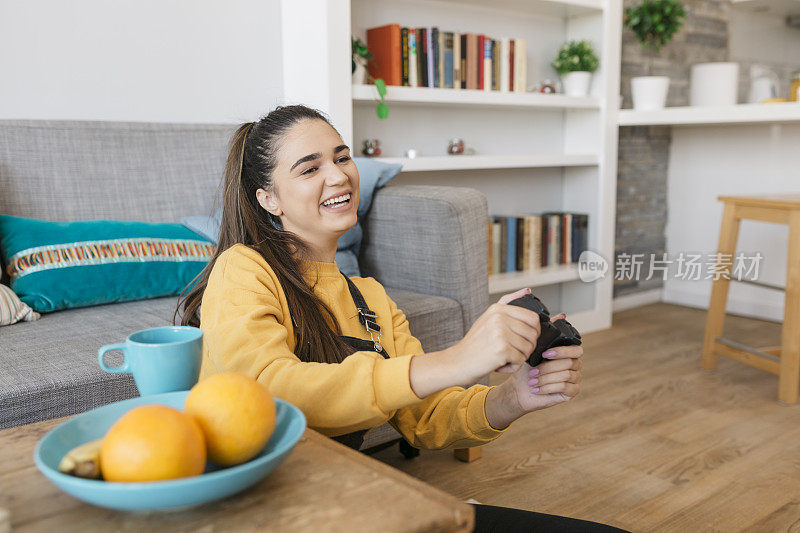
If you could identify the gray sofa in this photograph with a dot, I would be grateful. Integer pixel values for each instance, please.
(427, 245)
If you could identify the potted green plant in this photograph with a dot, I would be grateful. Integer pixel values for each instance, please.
(360, 57)
(654, 22)
(575, 63)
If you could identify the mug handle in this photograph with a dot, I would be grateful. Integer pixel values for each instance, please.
(122, 347)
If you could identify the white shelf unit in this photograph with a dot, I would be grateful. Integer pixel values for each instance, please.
(480, 162)
(776, 113)
(534, 152)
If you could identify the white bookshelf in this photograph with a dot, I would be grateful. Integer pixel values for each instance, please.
(480, 162)
(367, 95)
(785, 112)
(533, 152)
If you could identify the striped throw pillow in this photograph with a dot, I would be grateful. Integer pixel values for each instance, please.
(12, 310)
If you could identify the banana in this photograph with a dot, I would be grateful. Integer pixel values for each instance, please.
(83, 461)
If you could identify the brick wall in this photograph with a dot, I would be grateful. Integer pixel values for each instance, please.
(644, 151)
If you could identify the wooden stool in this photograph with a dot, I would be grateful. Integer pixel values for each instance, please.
(783, 360)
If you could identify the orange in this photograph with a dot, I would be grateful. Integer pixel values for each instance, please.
(151, 443)
(236, 414)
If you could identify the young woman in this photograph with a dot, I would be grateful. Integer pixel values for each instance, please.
(273, 305)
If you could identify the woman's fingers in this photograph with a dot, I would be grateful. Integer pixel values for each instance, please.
(514, 295)
(562, 387)
(563, 352)
(549, 367)
(566, 376)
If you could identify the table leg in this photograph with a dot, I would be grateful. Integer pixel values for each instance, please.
(715, 319)
(789, 378)
(468, 454)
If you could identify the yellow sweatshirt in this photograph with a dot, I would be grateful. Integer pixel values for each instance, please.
(247, 329)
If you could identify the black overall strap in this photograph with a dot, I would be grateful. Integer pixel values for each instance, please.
(370, 321)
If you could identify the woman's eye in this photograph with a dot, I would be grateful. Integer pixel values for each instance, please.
(344, 159)
(308, 171)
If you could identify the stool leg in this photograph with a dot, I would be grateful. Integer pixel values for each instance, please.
(789, 377)
(715, 319)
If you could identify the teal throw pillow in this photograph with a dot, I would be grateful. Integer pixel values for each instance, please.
(61, 265)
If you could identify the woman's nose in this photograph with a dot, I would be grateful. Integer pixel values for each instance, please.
(335, 176)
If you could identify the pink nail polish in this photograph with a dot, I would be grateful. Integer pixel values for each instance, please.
(535, 390)
(549, 353)
(534, 372)
(533, 382)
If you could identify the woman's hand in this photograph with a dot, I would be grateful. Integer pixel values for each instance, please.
(554, 381)
(501, 339)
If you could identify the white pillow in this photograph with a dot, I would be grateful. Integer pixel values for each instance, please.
(12, 309)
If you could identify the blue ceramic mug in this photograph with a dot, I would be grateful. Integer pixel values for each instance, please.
(164, 359)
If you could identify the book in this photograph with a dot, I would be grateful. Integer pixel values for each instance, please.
(472, 61)
(495, 65)
(566, 239)
(463, 77)
(505, 71)
(422, 58)
(511, 246)
(384, 43)
(520, 66)
(580, 234)
(412, 58)
(404, 57)
(487, 64)
(456, 61)
(447, 64)
(481, 43)
(522, 243)
(429, 56)
(511, 66)
(440, 81)
(534, 224)
(503, 221)
(436, 57)
(496, 245)
(491, 258)
(545, 241)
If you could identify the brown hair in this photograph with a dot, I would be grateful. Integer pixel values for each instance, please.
(252, 159)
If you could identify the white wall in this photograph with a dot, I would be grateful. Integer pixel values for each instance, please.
(140, 60)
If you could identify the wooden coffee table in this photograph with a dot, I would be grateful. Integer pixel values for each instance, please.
(321, 486)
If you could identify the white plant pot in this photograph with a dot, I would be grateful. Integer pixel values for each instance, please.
(576, 83)
(649, 92)
(360, 74)
(714, 84)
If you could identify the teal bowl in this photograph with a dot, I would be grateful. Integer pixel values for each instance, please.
(215, 483)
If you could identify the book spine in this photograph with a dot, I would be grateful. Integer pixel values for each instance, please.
(481, 41)
(487, 65)
(464, 61)
(511, 250)
(435, 40)
(567, 238)
(440, 51)
(545, 240)
(503, 243)
(422, 60)
(384, 43)
(511, 66)
(412, 58)
(505, 48)
(496, 245)
(456, 61)
(521, 66)
(447, 65)
(404, 55)
(535, 259)
(521, 236)
(555, 239)
(490, 232)
(429, 57)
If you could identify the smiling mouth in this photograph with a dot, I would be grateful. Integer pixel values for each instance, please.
(337, 202)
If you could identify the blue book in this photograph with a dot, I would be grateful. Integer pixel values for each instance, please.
(511, 248)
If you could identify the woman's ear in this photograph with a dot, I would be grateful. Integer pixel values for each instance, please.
(267, 201)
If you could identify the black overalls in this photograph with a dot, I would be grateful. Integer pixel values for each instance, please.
(369, 320)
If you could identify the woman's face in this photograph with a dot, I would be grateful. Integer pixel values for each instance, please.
(315, 184)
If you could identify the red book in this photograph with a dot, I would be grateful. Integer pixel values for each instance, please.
(481, 44)
(511, 65)
(384, 44)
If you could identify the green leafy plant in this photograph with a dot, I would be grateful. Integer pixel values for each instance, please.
(359, 49)
(655, 21)
(382, 110)
(576, 56)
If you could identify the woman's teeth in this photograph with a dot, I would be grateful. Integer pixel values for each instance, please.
(338, 201)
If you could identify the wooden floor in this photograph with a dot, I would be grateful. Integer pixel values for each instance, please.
(652, 443)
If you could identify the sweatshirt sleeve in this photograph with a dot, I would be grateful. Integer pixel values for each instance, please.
(451, 418)
(243, 330)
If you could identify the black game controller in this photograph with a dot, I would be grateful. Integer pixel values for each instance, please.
(556, 333)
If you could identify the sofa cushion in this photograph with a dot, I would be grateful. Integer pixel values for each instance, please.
(62, 265)
(49, 369)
